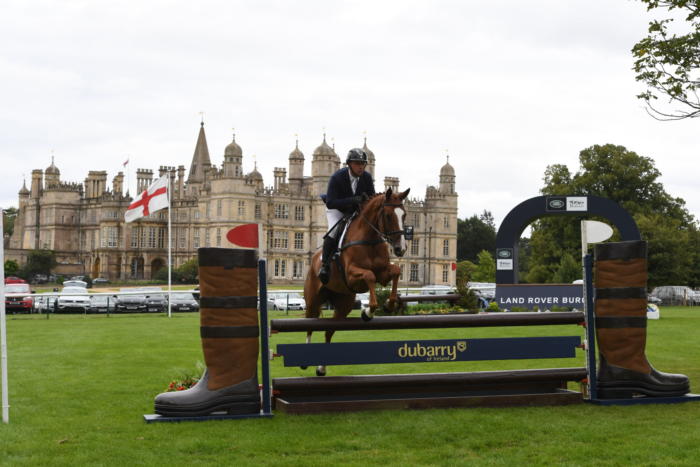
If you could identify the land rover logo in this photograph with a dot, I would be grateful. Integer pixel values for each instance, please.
(504, 254)
(556, 204)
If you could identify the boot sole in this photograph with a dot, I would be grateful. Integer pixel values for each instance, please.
(233, 406)
(626, 390)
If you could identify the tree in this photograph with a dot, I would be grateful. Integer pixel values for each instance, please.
(39, 262)
(486, 268)
(568, 271)
(631, 180)
(668, 63)
(475, 234)
(11, 267)
(8, 220)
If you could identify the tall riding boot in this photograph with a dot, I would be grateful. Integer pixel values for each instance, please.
(228, 281)
(329, 245)
(621, 321)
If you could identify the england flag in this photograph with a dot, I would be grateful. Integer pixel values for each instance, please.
(151, 200)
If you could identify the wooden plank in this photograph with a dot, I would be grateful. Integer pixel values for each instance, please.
(429, 321)
(298, 407)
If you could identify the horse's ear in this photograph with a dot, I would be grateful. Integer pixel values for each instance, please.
(388, 193)
(404, 194)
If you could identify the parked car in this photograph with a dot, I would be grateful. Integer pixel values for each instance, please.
(75, 283)
(183, 301)
(285, 301)
(127, 303)
(85, 279)
(102, 304)
(45, 303)
(363, 298)
(14, 280)
(676, 295)
(99, 281)
(654, 300)
(155, 299)
(73, 298)
(17, 299)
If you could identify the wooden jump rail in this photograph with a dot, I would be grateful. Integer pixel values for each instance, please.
(428, 321)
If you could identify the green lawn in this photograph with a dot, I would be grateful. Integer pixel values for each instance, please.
(79, 386)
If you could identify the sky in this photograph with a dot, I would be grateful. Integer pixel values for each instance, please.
(504, 88)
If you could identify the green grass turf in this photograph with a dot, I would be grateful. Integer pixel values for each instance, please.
(79, 386)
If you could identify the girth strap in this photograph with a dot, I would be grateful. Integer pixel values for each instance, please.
(618, 322)
(229, 302)
(376, 241)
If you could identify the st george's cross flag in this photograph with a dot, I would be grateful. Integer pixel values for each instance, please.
(153, 199)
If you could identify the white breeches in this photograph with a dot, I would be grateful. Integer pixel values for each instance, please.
(333, 216)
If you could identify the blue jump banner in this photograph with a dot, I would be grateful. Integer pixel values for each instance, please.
(444, 350)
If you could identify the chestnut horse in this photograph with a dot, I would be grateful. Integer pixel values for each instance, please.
(364, 256)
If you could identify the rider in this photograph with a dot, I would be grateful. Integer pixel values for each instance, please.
(347, 189)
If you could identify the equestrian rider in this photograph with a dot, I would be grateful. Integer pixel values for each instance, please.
(347, 189)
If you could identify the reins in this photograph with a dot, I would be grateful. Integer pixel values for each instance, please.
(383, 237)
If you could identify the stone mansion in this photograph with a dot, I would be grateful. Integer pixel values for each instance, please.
(84, 222)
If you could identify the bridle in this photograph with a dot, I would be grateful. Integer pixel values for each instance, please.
(384, 237)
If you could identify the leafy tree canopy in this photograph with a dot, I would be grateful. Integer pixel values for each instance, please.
(667, 60)
(613, 172)
(475, 234)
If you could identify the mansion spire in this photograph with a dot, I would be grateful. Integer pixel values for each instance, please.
(200, 160)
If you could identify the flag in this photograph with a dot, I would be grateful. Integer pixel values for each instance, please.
(245, 235)
(126, 162)
(151, 200)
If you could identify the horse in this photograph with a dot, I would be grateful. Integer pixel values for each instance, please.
(364, 256)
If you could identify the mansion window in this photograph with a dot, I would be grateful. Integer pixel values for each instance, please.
(162, 237)
(280, 239)
(415, 245)
(416, 220)
(182, 236)
(206, 238)
(208, 210)
(258, 211)
(151, 237)
(403, 271)
(135, 233)
(298, 240)
(218, 237)
(219, 209)
(281, 211)
(446, 222)
(446, 248)
(241, 209)
(111, 237)
(414, 272)
(196, 215)
(298, 270)
(445, 273)
(298, 213)
(280, 268)
(195, 238)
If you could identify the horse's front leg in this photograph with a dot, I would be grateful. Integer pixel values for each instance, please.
(392, 274)
(357, 276)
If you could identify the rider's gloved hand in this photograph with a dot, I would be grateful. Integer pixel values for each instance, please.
(357, 200)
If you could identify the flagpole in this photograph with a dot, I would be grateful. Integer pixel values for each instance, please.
(3, 330)
(170, 242)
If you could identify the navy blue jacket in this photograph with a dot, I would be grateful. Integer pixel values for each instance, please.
(339, 194)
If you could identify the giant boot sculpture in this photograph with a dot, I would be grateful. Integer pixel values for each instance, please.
(228, 281)
(621, 325)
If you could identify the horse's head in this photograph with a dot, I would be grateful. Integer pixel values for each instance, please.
(391, 217)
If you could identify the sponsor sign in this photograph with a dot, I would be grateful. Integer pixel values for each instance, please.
(504, 259)
(542, 296)
(566, 204)
(443, 350)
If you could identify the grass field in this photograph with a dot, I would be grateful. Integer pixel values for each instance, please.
(79, 386)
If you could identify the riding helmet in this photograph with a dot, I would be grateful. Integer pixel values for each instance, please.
(356, 155)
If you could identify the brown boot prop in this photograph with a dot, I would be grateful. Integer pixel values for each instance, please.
(228, 281)
(621, 326)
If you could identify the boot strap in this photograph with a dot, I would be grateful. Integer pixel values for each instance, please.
(229, 331)
(621, 292)
(618, 322)
(229, 302)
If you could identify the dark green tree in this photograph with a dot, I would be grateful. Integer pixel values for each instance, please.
(631, 180)
(485, 269)
(8, 220)
(667, 61)
(11, 268)
(475, 234)
(39, 262)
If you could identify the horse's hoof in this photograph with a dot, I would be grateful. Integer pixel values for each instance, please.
(320, 373)
(365, 316)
